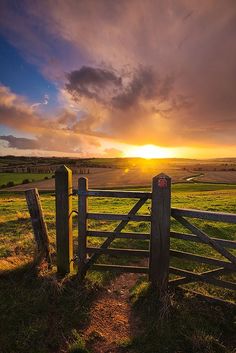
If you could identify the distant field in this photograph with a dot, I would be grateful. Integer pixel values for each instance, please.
(217, 176)
(112, 178)
(17, 178)
(117, 178)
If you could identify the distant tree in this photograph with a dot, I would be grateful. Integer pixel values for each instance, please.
(25, 181)
(10, 184)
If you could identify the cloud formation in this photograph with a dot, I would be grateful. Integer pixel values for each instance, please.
(123, 92)
(21, 142)
(155, 71)
(44, 102)
(50, 133)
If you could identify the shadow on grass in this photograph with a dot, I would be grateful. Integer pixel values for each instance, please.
(40, 313)
(183, 323)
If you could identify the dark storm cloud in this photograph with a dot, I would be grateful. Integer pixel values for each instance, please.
(145, 84)
(89, 82)
(96, 83)
(21, 143)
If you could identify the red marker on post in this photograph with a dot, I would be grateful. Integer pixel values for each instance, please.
(162, 182)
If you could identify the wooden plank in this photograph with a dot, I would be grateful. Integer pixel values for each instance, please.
(64, 240)
(82, 224)
(117, 251)
(203, 278)
(137, 236)
(180, 281)
(118, 268)
(117, 193)
(118, 217)
(38, 224)
(185, 280)
(201, 259)
(118, 229)
(191, 237)
(211, 216)
(204, 237)
(160, 233)
(208, 298)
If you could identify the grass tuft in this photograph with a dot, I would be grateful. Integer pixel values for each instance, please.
(181, 323)
(77, 344)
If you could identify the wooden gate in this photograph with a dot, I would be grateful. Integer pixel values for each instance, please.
(159, 237)
(199, 236)
(159, 252)
(159, 218)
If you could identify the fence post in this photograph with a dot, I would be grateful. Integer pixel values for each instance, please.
(82, 224)
(160, 233)
(38, 224)
(64, 239)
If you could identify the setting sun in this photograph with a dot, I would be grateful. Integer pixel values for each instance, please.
(148, 152)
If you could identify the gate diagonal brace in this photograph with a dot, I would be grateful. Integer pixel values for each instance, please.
(211, 273)
(204, 237)
(203, 277)
(118, 229)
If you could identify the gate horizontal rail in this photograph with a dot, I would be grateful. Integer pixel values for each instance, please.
(207, 215)
(137, 236)
(119, 268)
(118, 217)
(192, 237)
(202, 259)
(117, 251)
(116, 193)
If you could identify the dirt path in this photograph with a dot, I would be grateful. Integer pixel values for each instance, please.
(112, 321)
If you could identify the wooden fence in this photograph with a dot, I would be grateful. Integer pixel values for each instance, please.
(159, 238)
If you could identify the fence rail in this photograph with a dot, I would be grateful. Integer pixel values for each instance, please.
(116, 251)
(159, 252)
(118, 235)
(116, 193)
(210, 216)
(118, 217)
(191, 237)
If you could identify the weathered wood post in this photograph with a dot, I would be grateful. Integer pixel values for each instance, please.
(160, 233)
(38, 224)
(64, 239)
(82, 223)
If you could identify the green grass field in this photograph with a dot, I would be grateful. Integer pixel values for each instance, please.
(17, 178)
(48, 310)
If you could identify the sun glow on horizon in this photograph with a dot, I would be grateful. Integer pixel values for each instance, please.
(149, 151)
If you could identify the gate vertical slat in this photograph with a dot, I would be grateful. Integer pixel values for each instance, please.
(82, 224)
(160, 233)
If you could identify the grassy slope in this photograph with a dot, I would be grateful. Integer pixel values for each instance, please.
(43, 306)
(17, 178)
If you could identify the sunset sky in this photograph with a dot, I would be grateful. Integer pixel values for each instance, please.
(87, 78)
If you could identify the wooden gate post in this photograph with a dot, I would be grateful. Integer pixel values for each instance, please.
(39, 224)
(160, 233)
(64, 239)
(82, 224)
